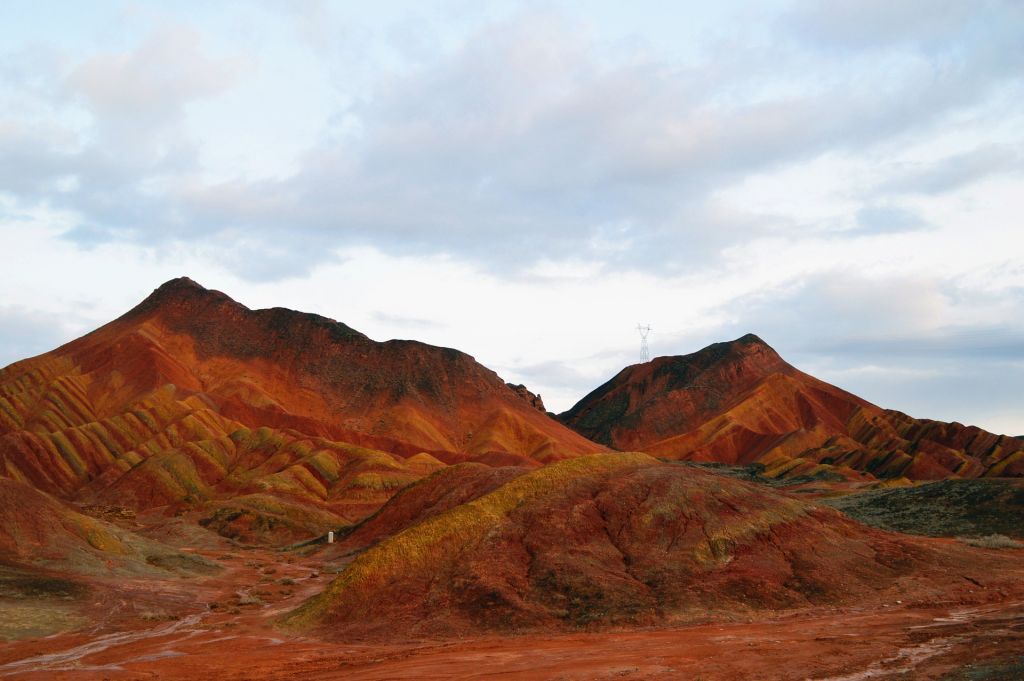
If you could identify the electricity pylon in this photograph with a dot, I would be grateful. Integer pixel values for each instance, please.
(645, 352)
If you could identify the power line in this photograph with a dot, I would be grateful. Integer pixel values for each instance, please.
(645, 352)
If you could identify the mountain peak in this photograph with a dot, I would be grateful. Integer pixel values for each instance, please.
(281, 368)
(177, 293)
(214, 319)
(746, 343)
(750, 339)
(672, 393)
(749, 349)
(180, 283)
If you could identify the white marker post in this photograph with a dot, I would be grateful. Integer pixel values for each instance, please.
(330, 537)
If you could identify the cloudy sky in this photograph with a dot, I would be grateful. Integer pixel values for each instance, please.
(528, 181)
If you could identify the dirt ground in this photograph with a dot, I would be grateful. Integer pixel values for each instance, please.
(221, 627)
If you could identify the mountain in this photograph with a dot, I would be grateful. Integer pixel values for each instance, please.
(193, 399)
(624, 539)
(740, 403)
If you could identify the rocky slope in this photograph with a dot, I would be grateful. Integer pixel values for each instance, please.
(740, 402)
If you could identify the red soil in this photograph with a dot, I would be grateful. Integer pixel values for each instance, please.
(740, 403)
(233, 640)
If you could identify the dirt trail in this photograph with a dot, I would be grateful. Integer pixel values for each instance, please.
(131, 627)
(71, 659)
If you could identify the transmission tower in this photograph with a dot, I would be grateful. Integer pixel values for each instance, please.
(645, 352)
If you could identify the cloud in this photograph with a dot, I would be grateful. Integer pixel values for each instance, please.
(861, 24)
(557, 374)
(818, 309)
(34, 159)
(998, 344)
(887, 219)
(528, 140)
(954, 172)
(113, 138)
(146, 89)
(403, 322)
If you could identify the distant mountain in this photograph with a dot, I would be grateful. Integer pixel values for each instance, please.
(739, 403)
(192, 398)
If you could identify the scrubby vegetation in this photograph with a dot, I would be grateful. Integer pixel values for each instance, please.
(993, 541)
(948, 508)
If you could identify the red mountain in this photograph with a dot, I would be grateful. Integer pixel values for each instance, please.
(191, 397)
(740, 402)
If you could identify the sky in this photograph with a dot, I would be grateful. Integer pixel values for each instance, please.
(528, 181)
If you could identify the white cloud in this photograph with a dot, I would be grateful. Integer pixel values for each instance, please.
(956, 171)
(148, 86)
(524, 140)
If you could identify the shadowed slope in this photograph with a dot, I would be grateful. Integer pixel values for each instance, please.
(613, 540)
(740, 402)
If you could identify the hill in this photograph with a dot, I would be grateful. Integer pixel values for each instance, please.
(739, 403)
(623, 539)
